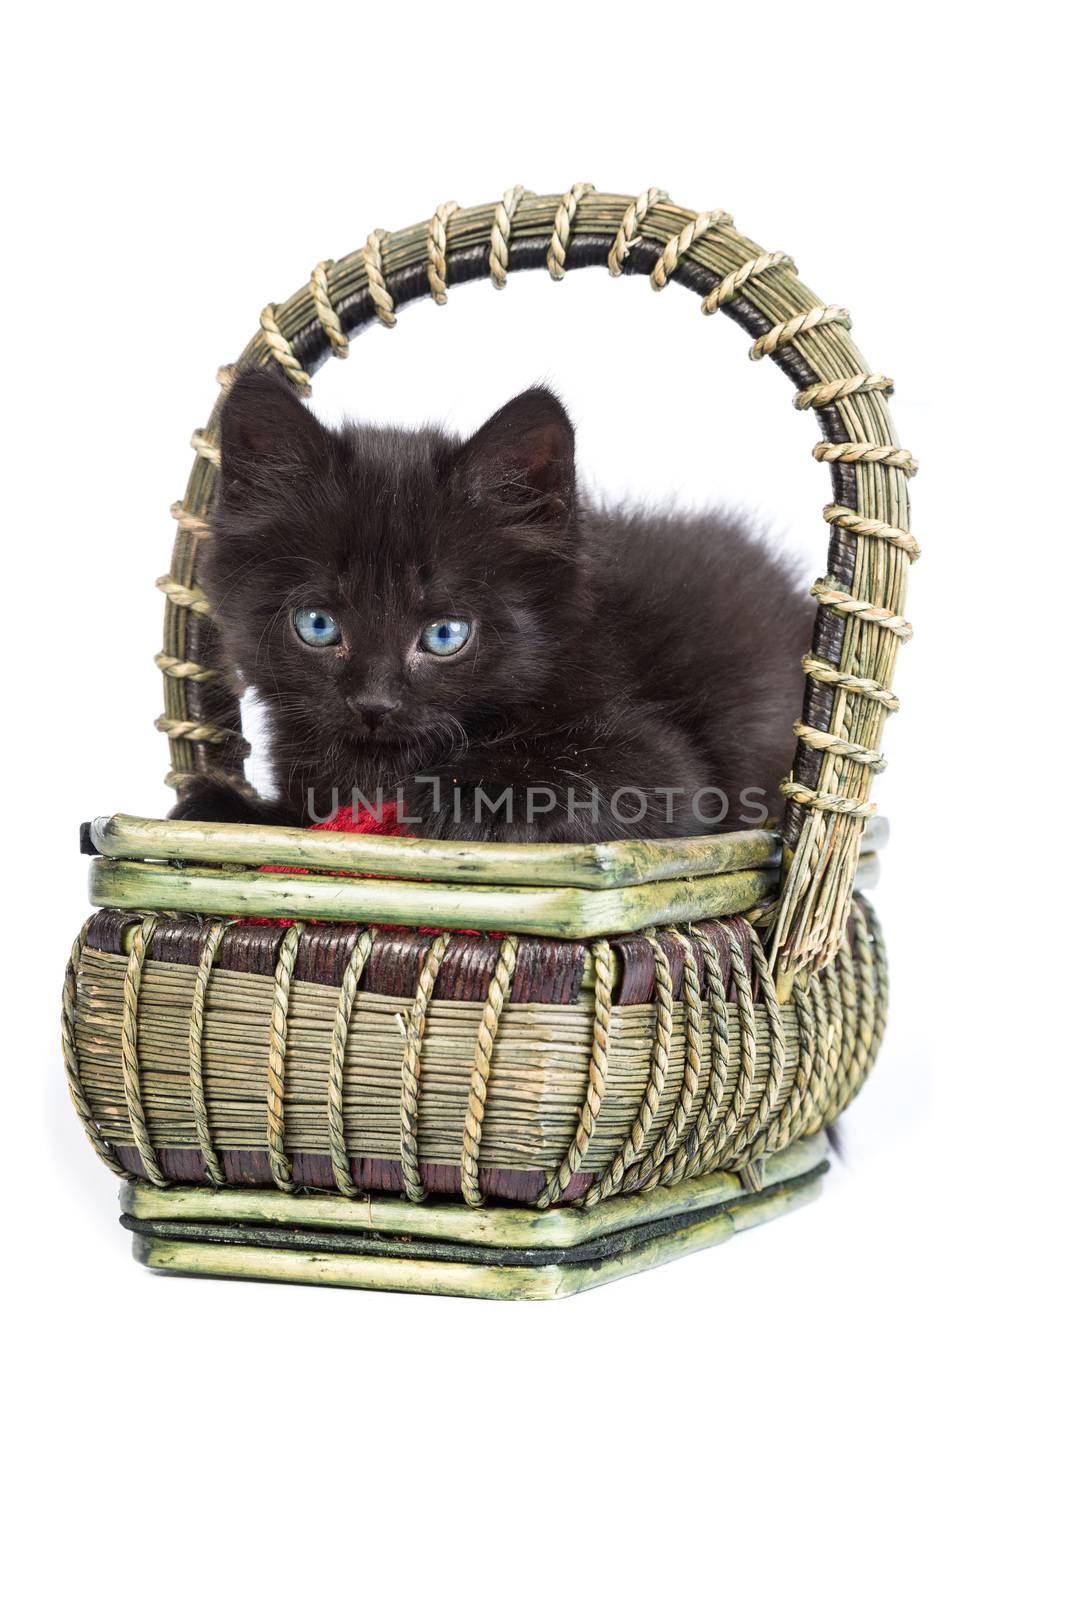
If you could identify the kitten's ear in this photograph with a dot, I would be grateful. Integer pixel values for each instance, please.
(268, 435)
(522, 460)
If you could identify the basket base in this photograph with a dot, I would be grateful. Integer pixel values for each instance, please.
(498, 1253)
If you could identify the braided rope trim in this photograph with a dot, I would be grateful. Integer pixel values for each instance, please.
(335, 1078)
(561, 229)
(831, 744)
(206, 447)
(676, 247)
(500, 235)
(178, 667)
(437, 250)
(650, 1171)
(819, 800)
(872, 528)
(69, 1045)
(180, 594)
(201, 732)
(728, 287)
(329, 321)
(756, 1137)
(741, 1116)
(659, 1061)
(280, 1165)
(812, 1061)
(869, 688)
(629, 227)
(716, 1131)
(788, 332)
(131, 1066)
(599, 1066)
(282, 350)
(212, 1165)
(175, 779)
(496, 1000)
(851, 1049)
(700, 1146)
(827, 997)
(812, 1005)
(411, 1067)
(785, 1125)
(827, 394)
(847, 605)
(376, 285)
(226, 375)
(838, 1039)
(860, 450)
(189, 522)
(842, 985)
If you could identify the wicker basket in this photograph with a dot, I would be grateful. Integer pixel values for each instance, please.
(285, 1067)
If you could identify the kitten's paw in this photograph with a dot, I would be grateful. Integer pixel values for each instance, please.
(214, 800)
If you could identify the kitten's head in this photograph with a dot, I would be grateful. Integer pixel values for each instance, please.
(379, 587)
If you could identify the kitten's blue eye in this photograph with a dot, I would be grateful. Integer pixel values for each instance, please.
(445, 636)
(316, 627)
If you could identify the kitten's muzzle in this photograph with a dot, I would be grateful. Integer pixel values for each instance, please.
(372, 713)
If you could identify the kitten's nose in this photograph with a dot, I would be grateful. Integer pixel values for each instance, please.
(373, 712)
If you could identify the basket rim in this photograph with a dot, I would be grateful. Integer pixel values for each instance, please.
(600, 865)
(589, 890)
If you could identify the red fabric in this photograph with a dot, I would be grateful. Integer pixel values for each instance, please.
(365, 820)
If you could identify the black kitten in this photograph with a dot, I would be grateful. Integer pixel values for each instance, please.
(447, 619)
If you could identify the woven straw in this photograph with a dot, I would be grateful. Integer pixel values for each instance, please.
(171, 1056)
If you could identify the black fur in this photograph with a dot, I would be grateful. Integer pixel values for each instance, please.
(612, 650)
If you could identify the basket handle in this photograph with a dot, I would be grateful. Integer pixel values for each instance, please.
(859, 622)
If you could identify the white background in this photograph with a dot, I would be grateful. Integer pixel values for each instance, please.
(860, 1399)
